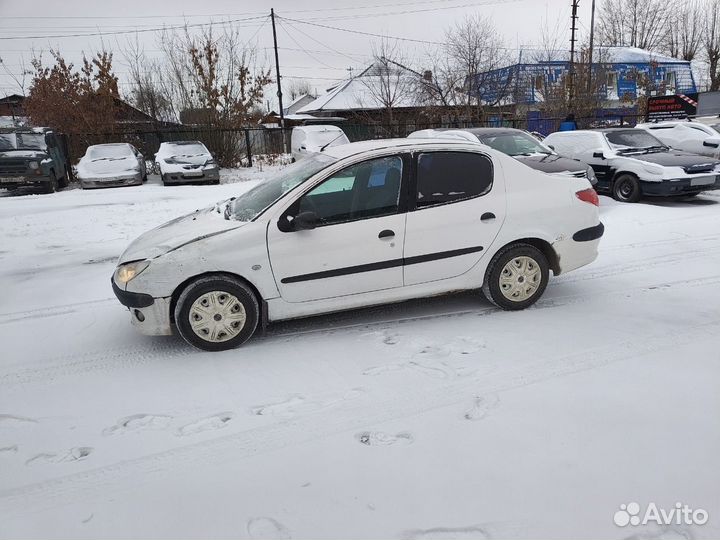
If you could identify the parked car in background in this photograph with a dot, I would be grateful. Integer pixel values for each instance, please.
(315, 138)
(518, 144)
(184, 162)
(360, 224)
(692, 137)
(111, 165)
(35, 158)
(630, 163)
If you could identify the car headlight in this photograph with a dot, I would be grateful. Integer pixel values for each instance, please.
(126, 272)
(591, 174)
(33, 165)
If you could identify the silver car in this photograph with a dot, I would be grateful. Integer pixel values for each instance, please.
(184, 162)
(111, 165)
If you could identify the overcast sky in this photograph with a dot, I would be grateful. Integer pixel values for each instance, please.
(320, 55)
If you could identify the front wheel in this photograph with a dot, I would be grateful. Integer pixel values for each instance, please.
(217, 313)
(516, 277)
(626, 188)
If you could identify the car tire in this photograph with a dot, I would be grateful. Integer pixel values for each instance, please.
(626, 188)
(223, 298)
(516, 277)
(52, 185)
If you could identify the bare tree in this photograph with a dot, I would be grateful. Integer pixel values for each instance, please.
(635, 23)
(388, 83)
(711, 42)
(146, 93)
(299, 87)
(462, 76)
(18, 78)
(685, 30)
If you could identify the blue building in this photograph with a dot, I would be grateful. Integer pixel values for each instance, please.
(624, 72)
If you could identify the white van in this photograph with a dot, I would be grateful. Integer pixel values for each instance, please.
(310, 139)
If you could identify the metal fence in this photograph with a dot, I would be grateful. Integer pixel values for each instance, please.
(238, 147)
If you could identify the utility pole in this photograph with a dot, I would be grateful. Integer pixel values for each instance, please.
(277, 76)
(573, 39)
(590, 52)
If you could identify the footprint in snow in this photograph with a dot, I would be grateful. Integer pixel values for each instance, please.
(12, 419)
(7, 449)
(299, 404)
(216, 421)
(267, 528)
(669, 533)
(379, 438)
(138, 422)
(443, 533)
(481, 407)
(74, 454)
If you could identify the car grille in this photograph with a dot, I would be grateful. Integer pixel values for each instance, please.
(701, 168)
(12, 166)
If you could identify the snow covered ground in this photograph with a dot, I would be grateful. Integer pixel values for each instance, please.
(442, 418)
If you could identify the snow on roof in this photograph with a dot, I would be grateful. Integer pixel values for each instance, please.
(364, 91)
(611, 55)
(298, 100)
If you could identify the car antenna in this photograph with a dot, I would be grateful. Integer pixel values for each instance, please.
(328, 144)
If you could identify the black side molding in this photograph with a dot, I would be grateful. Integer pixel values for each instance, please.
(131, 299)
(592, 233)
(382, 265)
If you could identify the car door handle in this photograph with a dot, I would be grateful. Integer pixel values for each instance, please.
(487, 216)
(387, 233)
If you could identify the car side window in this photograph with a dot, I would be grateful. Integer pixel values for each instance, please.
(447, 177)
(364, 190)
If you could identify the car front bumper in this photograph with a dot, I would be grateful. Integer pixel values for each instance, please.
(683, 186)
(151, 316)
(114, 181)
(208, 175)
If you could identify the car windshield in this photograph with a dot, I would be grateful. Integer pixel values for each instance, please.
(109, 151)
(22, 141)
(634, 139)
(250, 204)
(187, 149)
(514, 144)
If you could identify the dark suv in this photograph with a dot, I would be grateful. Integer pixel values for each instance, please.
(35, 158)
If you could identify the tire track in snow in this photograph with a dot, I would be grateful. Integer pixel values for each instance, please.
(348, 417)
(52, 311)
(107, 360)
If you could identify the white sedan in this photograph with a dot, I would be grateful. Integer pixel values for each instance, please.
(183, 162)
(360, 224)
(688, 136)
(111, 165)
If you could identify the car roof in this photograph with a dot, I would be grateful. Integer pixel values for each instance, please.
(109, 144)
(351, 149)
(318, 127)
(181, 142)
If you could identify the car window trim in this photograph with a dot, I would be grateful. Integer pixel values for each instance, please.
(402, 200)
(412, 194)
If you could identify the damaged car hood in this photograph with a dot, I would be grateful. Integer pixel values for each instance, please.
(178, 233)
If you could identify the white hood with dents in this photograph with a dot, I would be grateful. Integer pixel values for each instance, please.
(179, 232)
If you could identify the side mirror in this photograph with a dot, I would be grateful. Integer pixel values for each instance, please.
(305, 221)
(599, 154)
(712, 142)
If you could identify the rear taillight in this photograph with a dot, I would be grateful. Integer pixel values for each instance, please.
(588, 196)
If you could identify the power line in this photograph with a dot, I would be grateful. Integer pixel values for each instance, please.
(284, 29)
(136, 31)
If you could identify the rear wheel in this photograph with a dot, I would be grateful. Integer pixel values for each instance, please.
(516, 277)
(217, 313)
(626, 188)
(52, 185)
